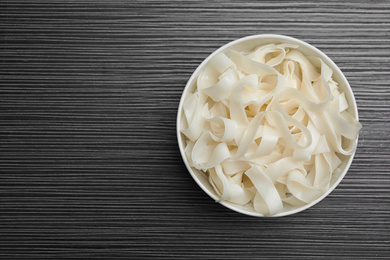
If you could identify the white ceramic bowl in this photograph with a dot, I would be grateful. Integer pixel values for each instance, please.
(248, 44)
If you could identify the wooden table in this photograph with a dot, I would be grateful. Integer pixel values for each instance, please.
(89, 161)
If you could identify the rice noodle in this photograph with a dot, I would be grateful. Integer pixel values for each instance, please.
(268, 127)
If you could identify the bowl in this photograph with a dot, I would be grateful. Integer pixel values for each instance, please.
(248, 44)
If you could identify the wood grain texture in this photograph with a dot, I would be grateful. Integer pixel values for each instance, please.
(88, 154)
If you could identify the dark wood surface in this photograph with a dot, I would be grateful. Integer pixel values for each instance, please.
(88, 154)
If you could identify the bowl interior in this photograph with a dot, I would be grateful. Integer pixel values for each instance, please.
(248, 44)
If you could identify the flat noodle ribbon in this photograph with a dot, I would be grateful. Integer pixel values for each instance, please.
(268, 127)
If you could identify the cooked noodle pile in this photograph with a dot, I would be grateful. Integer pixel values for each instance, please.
(268, 127)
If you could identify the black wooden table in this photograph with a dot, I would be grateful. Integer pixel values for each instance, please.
(89, 161)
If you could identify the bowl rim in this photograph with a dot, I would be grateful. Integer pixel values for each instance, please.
(276, 37)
